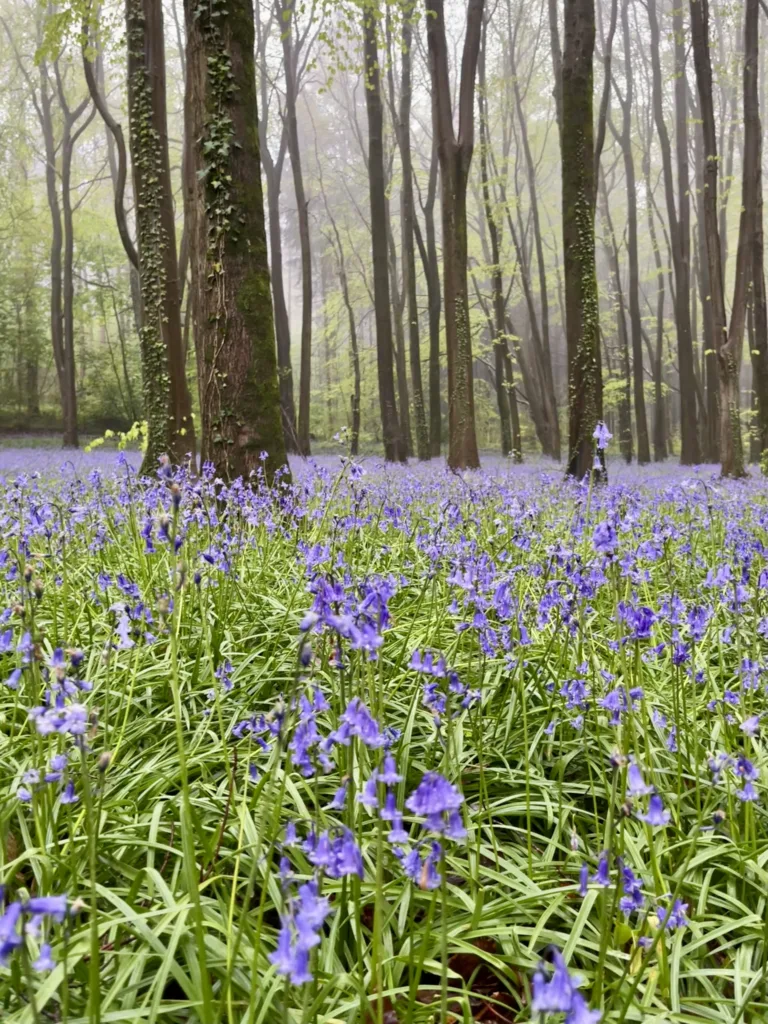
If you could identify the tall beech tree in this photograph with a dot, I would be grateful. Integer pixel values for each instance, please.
(679, 224)
(285, 11)
(231, 300)
(402, 121)
(727, 341)
(167, 405)
(633, 285)
(273, 174)
(455, 155)
(394, 442)
(585, 385)
(752, 206)
(428, 252)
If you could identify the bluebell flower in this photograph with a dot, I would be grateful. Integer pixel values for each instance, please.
(434, 797)
(580, 1012)
(656, 815)
(583, 879)
(556, 994)
(369, 796)
(68, 795)
(673, 918)
(750, 725)
(339, 798)
(748, 794)
(45, 961)
(10, 938)
(602, 435)
(389, 775)
(636, 785)
(282, 958)
(602, 875)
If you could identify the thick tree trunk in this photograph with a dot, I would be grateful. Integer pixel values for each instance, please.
(232, 305)
(689, 451)
(285, 14)
(578, 198)
(167, 404)
(455, 154)
(728, 343)
(394, 443)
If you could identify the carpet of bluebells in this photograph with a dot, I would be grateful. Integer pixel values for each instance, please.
(383, 746)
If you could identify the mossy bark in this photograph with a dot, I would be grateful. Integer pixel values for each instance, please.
(578, 196)
(167, 404)
(232, 304)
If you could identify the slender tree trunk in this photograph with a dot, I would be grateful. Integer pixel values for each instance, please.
(428, 253)
(285, 16)
(455, 154)
(409, 255)
(232, 305)
(633, 289)
(753, 130)
(398, 309)
(273, 174)
(612, 254)
(689, 449)
(167, 404)
(578, 197)
(711, 446)
(506, 397)
(727, 344)
(394, 444)
(530, 171)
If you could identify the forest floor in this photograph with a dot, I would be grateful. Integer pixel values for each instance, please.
(386, 745)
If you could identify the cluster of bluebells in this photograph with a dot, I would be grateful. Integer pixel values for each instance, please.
(443, 688)
(742, 769)
(61, 716)
(632, 900)
(555, 990)
(358, 614)
(32, 918)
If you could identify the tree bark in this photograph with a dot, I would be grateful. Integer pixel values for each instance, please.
(578, 198)
(633, 285)
(167, 404)
(231, 300)
(273, 173)
(428, 253)
(546, 352)
(398, 309)
(506, 397)
(394, 444)
(689, 449)
(285, 14)
(727, 343)
(612, 254)
(455, 155)
(407, 210)
(753, 152)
